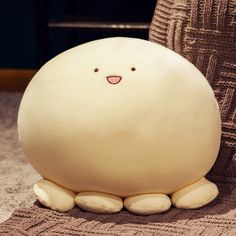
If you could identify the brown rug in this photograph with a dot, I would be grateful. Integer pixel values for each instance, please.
(218, 218)
(16, 175)
(17, 178)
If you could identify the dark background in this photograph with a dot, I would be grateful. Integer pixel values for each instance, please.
(22, 24)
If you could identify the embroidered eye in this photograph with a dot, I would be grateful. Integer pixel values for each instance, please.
(96, 70)
(133, 68)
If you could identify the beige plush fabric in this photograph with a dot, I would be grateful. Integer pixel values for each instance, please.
(16, 193)
(204, 31)
(178, 25)
(216, 219)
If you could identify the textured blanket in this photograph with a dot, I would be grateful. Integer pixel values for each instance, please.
(218, 218)
(17, 178)
(204, 32)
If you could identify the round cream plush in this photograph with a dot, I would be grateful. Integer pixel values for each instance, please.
(120, 118)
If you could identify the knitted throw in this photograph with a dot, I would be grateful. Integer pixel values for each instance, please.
(204, 32)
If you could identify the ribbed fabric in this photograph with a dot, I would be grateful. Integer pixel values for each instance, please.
(17, 178)
(204, 32)
(218, 218)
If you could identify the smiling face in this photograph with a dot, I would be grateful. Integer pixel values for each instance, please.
(114, 79)
(102, 75)
(116, 60)
(118, 115)
(114, 71)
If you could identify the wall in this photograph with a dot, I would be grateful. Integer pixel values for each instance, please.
(19, 40)
(17, 35)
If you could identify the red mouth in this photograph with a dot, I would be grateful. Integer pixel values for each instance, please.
(114, 79)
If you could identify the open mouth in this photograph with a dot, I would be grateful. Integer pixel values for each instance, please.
(114, 79)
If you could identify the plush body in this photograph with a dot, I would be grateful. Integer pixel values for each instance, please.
(120, 117)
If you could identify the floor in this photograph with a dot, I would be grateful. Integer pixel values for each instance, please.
(16, 174)
(17, 178)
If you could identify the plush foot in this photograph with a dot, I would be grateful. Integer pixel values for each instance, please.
(54, 196)
(147, 204)
(99, 202)
(195, 195)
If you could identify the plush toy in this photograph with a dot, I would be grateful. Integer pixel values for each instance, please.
(120, 122)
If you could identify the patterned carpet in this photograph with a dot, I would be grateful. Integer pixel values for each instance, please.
(218, 218)
(29, 218)
(16, 175)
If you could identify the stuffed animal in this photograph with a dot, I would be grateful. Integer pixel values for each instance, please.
(120, 122)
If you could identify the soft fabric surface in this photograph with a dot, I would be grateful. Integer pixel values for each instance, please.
(204, 32)
(126, 138)
(218, 218)
(175, 24)
(17, 178)
(16, 175)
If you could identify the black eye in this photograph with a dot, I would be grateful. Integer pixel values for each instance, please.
(96, 70)
(133, 68)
